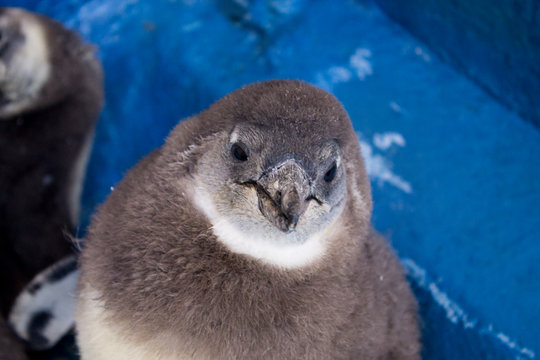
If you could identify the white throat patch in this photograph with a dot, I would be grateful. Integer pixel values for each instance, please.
(260, 246)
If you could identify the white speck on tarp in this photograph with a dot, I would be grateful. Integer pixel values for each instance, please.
(191, 26)
(385, 140)
(332, 76)
(94, 11)
(339, 74)
(379, 169)
(420, 52)
(360, 63)
(395, 106)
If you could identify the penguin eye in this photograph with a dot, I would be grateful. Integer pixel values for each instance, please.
(239, 151)
(331, 173)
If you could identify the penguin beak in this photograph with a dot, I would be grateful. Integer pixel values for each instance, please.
(283, 193)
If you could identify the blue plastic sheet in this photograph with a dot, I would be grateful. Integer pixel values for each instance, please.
(454, 173)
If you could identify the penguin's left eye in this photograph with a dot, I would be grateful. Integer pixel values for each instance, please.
(240, 151)
(331, 173)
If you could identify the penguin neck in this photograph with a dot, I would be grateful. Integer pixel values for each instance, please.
(262, 246)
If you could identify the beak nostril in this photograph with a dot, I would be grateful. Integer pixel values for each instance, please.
(279, 196)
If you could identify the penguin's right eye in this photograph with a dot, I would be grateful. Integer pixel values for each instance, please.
(331, 173)
(240, 151)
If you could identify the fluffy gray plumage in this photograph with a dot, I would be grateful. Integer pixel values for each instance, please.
(186, 259)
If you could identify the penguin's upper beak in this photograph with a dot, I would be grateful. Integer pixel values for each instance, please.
(283, 192)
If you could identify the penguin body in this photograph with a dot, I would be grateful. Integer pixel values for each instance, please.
(51, 93)
(246, 236)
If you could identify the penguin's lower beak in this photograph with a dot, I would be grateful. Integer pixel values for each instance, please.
(283, 192)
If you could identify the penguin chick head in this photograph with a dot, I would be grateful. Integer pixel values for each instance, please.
(282, 185)
(274, 179)
(37, 57)
(24, 59)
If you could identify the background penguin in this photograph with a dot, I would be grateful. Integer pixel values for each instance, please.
(51, 93)
(246, 236)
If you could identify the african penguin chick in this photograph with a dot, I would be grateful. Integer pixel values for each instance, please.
(51, 93)
(246, 236)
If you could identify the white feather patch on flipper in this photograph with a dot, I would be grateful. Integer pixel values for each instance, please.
(44, 311)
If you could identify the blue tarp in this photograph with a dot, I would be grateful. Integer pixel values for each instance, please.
(455, 175)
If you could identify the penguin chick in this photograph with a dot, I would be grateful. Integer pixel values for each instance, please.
(51, 93)
(246, 236)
